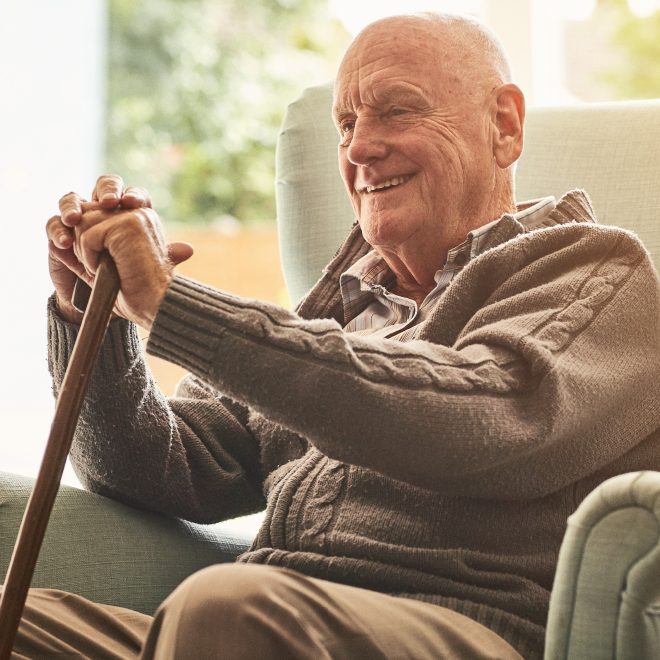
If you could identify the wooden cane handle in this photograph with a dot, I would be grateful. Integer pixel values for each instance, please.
(67, 409)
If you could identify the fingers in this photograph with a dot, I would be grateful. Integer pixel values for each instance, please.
(179, 252)
(134, 239)
(98, 226)
(71, 209)
(135, 198)
(142, 220)
(63, 266)
(108, 191)
(60, 235)
(68, 259)
(108, 194)
(90, 236)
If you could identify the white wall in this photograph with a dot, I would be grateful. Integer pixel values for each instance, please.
(51, 90)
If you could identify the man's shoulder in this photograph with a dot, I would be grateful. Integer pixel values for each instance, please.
(556, 263)
(573, 243)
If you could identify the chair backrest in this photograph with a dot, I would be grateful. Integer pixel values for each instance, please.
(612, 150)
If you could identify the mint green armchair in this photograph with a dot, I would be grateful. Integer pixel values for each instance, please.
(606, 598)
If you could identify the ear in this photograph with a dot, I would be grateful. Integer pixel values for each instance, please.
(508, 120)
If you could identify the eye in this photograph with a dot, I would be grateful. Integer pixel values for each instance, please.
(346, 126)
(397, 112)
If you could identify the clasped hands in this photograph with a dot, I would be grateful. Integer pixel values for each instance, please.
(121, 221)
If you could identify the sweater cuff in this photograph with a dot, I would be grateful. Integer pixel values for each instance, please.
(188, 327)
(120, 348)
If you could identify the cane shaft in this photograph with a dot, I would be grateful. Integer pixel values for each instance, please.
(67, 409)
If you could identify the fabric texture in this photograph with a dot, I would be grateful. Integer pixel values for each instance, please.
(307, 186)
(57, 625)
(242, 612)
(440, 469)
(246, 611)
(375, 311)
(109, 552)
(605, 600)
(609, 149)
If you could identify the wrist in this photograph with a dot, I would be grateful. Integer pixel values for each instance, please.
(67, 311)
(149, 314)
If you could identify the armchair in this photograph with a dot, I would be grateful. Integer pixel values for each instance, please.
(606, 598)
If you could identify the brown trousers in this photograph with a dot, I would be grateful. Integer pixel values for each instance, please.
(246, 611)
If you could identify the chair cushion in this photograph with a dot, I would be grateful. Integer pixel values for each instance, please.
(111, 553)
(608, 149)
(313, 210)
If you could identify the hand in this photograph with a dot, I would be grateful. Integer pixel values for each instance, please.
(64, 262)
(109, 194)
(144, 261)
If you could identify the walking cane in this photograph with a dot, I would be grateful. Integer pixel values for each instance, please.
(67, 409)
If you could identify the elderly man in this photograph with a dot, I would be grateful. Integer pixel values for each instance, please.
(465, 371)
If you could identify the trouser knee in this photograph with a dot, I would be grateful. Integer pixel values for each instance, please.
(237, 611)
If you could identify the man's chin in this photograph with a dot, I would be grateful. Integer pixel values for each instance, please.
(381, 234)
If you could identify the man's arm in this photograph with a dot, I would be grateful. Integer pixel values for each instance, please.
(538, 367)
(190, 456)
(551, 372)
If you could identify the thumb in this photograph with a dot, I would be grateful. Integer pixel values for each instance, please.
(179, 252)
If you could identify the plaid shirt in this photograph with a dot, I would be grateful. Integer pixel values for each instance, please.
(366, 285)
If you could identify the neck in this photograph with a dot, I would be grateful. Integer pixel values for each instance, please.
(415, 263)
(417, 294)
(413, 279)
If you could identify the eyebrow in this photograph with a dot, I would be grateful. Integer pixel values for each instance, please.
(394, 93)
(399, 92)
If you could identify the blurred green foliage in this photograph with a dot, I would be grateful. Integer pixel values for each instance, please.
(637, 40)
(196, 94)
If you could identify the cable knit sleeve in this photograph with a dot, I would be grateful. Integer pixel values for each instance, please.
(538, 365)
(189, 456)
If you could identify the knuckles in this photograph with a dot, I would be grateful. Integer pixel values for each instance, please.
(136, 220)
(143, 219)
(97, 226)
(140, 223)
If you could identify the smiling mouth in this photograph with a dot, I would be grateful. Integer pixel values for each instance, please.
(389, 183)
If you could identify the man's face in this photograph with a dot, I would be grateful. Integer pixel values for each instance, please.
(415, 152)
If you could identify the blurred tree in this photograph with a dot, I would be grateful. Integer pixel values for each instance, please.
(196, 93)
(637, 40)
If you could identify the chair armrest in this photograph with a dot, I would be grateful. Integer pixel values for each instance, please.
(112, 553)
(605, 600)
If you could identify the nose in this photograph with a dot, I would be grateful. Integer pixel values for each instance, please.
(369, 142)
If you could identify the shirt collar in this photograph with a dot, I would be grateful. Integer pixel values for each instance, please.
(371, 270)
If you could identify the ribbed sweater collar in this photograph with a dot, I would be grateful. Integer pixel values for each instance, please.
(324, 299)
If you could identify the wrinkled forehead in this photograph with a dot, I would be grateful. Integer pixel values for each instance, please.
(384, 64)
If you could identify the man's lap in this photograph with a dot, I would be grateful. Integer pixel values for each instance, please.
(57, 624)
(238, 610)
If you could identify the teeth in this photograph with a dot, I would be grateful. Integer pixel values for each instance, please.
(387, 184)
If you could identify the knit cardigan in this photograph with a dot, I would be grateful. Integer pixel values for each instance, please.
(442, 468)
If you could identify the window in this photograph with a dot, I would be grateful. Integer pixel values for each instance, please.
(220, 79)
